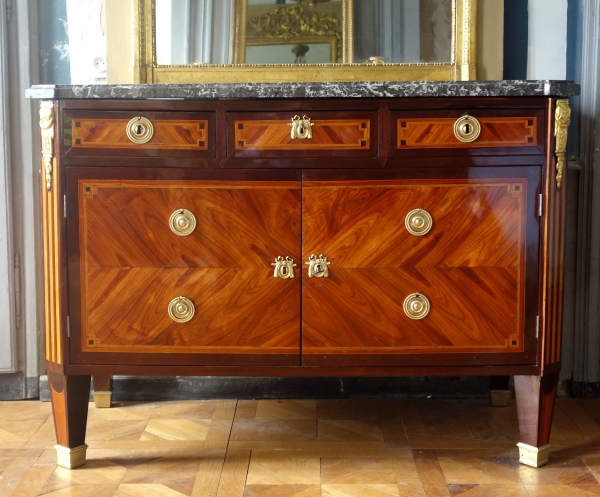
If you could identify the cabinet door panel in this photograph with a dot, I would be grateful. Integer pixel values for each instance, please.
(477, 266)
(129, 265)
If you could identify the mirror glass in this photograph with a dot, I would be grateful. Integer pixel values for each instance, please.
(194, 32)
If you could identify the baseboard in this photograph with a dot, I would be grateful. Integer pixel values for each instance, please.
(16, 386)
(140, 388)
(585, 389)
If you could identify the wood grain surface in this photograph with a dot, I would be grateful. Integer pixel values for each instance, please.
(329, 134)
(471, 266)
(439, 132)
(168, 134)
(133, 265)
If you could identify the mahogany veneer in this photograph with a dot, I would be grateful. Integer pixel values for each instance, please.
(490, 266)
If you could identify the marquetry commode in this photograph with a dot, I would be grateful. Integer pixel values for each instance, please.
(348, 229)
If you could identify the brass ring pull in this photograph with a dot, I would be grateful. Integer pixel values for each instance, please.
(467, 129)
(182, 222)
(317, 266)
(301, 128)
(139, 130)
(418, 222)
(284, 268)
(416, 306)
(181, 309)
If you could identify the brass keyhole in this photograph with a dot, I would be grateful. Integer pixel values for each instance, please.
(139, 130)
(467, 129)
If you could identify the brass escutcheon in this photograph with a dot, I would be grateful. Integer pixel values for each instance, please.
(284, 268)
(182, 222)
(181, 309)
(416, 306)
(317, 266)
(139, 130)
(418, 222)
(301, 128)
(467, 129)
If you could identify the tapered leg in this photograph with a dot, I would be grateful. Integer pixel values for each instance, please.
(499, 390)
(70, 394)
(535, 406)
(102, 390)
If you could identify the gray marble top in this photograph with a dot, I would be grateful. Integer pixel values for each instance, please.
(402, 89)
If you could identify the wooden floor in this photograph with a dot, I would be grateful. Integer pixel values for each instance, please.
(300, 448)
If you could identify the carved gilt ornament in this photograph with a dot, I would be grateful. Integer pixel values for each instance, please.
(561, 130)
(47, 130)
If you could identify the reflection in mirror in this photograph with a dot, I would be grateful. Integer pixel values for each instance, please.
(302, 31)
(400, 31)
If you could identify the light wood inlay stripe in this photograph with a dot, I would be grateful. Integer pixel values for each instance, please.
(45, 217)
(52, 301)
(56, 266)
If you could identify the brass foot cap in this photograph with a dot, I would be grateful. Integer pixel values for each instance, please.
(70, 458)
(500, 397)
(533, 456)
(102, 398)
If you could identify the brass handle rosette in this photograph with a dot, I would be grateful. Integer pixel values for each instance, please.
(182, 222)
(181, 309)
(416, 306)
(467, 129)
(418, 222)
(317, 266)
(301, 128)
(139, 130)
(284, 268)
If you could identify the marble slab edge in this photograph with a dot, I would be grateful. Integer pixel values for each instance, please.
(404, 89)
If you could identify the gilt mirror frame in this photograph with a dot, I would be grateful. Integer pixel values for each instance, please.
(460, 67)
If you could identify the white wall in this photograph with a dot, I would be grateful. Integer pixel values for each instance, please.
(87, 41)
(547, 47)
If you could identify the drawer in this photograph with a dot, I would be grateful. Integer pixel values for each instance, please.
(465, 132)
(139, 134)
(314, 134)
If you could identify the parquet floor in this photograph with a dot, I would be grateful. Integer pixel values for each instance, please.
(300, 448)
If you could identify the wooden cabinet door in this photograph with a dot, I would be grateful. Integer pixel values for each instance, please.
(477, 267)
(129, 266)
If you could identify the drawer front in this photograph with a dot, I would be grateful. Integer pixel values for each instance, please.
(143, 244)
(489, 133)
(467, 256)
(178, 134)
(325, 134)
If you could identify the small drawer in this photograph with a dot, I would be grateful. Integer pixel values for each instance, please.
(464, 132)
(167, 134)
(297, 134)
